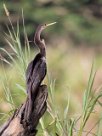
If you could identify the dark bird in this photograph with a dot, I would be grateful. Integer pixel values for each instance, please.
(37, 69)
(40, 59)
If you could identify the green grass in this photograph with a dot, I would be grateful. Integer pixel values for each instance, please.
(60, 119)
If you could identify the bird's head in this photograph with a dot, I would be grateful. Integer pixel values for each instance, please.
(43, 26)
(38, 41)
(39, 30)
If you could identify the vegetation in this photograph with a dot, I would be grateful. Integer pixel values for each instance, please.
(79, 20)
(65, 115)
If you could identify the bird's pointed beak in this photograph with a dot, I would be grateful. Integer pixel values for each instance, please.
(51, 24)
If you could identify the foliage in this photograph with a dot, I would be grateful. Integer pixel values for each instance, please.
(55, 121)
(79, 19)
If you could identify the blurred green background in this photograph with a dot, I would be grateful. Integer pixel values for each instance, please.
(72, 44)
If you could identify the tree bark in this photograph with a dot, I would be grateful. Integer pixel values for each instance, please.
(25, 119)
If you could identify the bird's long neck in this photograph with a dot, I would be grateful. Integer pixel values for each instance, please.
(40, 42)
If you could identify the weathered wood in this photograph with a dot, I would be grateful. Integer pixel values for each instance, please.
(26, 118)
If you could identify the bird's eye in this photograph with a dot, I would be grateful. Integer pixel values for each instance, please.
(45, 24)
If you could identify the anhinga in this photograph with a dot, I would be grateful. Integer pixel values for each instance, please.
(28, 115)
(40, 57)
(36, 70)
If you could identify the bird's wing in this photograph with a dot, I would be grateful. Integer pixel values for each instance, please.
(30, 67)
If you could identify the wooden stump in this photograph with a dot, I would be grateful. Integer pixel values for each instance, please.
(25, 119)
